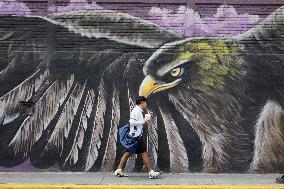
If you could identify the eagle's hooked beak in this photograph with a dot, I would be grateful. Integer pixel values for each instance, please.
(150, 86)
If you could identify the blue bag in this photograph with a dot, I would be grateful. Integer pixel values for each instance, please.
(129, 142)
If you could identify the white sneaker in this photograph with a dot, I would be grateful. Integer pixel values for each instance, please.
(120, 173)
(153, 174)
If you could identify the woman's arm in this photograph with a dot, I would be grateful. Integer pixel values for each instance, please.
(134, 122)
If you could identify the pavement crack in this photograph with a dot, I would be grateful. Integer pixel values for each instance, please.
(102, 179)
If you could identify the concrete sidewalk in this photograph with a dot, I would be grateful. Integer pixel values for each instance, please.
(108, 180)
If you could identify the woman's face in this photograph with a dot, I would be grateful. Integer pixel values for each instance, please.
(144, 105)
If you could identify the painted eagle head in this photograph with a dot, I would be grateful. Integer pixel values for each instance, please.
(199, 64)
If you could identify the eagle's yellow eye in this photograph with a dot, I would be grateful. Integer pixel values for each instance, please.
(176, 72)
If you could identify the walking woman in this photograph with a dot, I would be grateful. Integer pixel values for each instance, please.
(136, 123)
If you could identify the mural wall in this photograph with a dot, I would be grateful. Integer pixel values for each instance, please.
(213, 75)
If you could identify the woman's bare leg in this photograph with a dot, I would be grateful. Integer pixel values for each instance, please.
(146, 161)
(124, 160)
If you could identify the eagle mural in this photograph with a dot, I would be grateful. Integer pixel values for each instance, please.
(217, 100)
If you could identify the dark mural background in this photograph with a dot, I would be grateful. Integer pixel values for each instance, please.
(212, 71)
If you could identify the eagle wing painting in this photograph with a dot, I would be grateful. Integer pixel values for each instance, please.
(217, 100)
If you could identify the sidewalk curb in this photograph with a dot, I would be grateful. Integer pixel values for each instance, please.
(72, 186)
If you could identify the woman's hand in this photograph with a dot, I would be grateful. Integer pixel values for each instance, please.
(147, 119)
(147, 122)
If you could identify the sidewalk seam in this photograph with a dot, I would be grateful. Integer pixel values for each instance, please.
(102, 179)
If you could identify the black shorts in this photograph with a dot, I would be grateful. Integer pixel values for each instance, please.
(141, 148)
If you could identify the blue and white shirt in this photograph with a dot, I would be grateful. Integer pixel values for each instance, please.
(136, 122)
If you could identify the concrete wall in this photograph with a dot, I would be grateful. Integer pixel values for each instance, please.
(212, 72)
